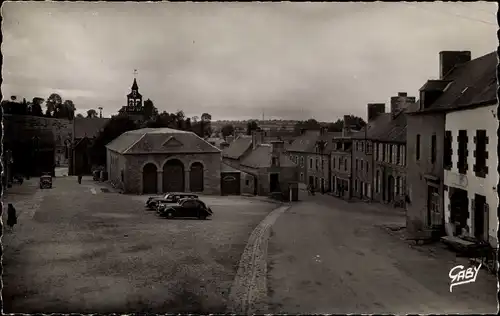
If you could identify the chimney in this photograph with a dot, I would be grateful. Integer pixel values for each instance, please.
(277, 148)
(347, 127)
(450, 59)
(400, 102)
(257, 138)
(374, 110)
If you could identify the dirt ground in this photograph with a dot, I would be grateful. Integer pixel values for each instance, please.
(77, 249)
(329, 256)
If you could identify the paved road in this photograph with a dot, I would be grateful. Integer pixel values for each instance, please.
(328, 256)
(77, 249)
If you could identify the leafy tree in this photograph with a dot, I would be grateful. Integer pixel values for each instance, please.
(227, 130)
(36, 106)
(149, 109)
(206, 124)
(252, 126)
(53, 103)
(91, 113)
(69, 109)
(116, 126)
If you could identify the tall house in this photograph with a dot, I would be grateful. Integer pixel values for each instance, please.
(450, 178)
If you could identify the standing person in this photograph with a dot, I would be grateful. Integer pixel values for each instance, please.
(80, 179)
(11, 216)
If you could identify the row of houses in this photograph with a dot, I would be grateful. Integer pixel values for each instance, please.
(435, 157)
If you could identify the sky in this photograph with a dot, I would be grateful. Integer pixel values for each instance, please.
(236, 60)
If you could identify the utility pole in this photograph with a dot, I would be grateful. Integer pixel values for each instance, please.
(100, 111)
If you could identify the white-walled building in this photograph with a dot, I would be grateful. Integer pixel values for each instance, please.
(471, 180)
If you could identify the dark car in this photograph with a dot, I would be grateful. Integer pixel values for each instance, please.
(173, 197)
(45, 181)
(185, 208)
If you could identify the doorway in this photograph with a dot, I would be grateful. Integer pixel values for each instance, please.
(459, 210)
(390, 189)
(480, 217)
(274, 185)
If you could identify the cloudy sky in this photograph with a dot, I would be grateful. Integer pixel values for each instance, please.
(236, 60)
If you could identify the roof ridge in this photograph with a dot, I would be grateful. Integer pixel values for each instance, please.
(138, 140)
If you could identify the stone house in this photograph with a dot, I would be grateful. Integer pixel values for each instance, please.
(159, 160)
(341, 166)
(463, 83)
(85, 130)
(318, 162)
(302, 151)
(389, 152)
(266, 168)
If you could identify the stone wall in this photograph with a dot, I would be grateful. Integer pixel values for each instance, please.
(418, 171)
(211, 167)
(52, 132)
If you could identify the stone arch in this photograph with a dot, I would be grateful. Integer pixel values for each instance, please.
(150, 178)
(173, 176)
(196, 176)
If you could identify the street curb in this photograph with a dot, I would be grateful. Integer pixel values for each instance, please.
(248, 293)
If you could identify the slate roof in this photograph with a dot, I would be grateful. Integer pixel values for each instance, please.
(160, 141)
(385, 129)
(260, 157)
(88, 127)
(472, 83)
(227, 168)
(237, 147)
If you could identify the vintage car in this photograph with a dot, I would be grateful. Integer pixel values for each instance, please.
(189, 207)
(172, 197)
(45, 181)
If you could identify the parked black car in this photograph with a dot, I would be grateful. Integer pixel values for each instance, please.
(173, 197)
(185, 208)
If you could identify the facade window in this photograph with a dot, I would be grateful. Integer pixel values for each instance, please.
(362, 146)
(356, 185)
(448, 150)
(417, 148)
(302, 161)
(310, 163)
(297, 159)
(361, 164)
(368, 147)
(301, 177)
(274, 161)
(398, 179)
(432, 204)
(345, 165)
(375, 152)
(380, 152)
(398, 154)
(462, 152)
(391, 154)
(379, 181)
(366, 166)
(481, 154)
(433, 148)
(357, 164)
(333, 162)
(403, 155)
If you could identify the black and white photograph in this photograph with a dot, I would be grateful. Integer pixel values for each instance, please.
(249, 157)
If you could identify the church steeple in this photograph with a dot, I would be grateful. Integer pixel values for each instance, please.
(134, 98)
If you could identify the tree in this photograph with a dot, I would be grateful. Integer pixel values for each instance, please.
(206, 122)
(54, 102)
(252, 126)
(69, 109)
(91, 113)
(116, 126)
(80, 115)
(227, 130)
(149, 109)
(36, 106)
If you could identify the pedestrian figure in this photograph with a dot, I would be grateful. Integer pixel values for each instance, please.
(11, 216)
(79, 179)
(312, 190)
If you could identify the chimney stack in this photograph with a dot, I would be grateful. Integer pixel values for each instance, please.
(400, 102)
(347, 127)
(257, 138)
(450, 59)
(374, 110)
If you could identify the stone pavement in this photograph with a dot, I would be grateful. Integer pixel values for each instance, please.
(329, 256)
(86, 251)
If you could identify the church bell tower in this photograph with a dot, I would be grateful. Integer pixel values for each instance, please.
(134, 98)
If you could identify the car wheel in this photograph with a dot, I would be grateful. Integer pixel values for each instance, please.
(202, 217)
(170, 214)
